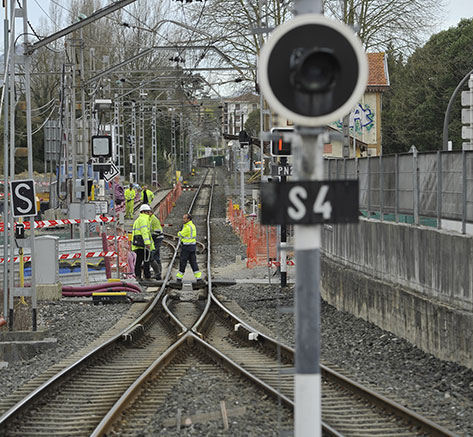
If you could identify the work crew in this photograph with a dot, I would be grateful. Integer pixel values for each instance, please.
(142, 243)
(158, 236)
(147, 196)
(188, 235)
(130, 195)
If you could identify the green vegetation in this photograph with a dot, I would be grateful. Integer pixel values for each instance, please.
(414, 107)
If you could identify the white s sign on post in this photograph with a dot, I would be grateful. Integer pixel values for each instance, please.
(23, 198)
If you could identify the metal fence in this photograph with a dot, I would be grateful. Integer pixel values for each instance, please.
(419, 188)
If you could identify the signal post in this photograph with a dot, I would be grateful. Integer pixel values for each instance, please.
(312, 71)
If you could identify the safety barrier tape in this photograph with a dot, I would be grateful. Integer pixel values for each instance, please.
(87, 255)
(16, 259)
(64, 256)
(289, 262)
(38, 224)
(114, 265)
(119, 237)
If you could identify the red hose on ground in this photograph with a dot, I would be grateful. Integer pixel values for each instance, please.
(100, 290)
(103, 285)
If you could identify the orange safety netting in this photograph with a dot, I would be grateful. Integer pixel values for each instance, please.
(259, 239)
(168, 203)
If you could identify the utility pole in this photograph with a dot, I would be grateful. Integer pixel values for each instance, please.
(133, 152)
(14, 59)
(84, 276)
(141, 141)
(173, 145)
(11, 83)
(7, 58)
(181, 144)
(154, 147)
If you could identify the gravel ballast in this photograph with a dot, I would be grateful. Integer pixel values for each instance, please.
(434, 388)
(438, 389)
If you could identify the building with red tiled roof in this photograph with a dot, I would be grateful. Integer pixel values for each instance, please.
(365, 119)
(378, 76)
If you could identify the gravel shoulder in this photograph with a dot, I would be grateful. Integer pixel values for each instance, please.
(390, 365)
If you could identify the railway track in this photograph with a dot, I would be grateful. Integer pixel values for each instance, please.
(119, 387)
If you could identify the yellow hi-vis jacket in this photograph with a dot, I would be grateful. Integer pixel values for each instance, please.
(155, 224)
(130, 194)
(141, 227)
(149, 195)
(188, 233)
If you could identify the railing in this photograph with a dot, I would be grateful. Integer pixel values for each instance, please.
(419, 188)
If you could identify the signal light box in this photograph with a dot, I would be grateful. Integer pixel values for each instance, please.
(312, 70)
(281, 146)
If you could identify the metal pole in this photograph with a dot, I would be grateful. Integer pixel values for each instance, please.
(369, 184)
(415, 187)
(446, 118)
(381, 188)
(308, 165)
(261, 101)
(396, 193)
(141, 143)
(464, 192)
(84, 276)
(154, 148)
(5, 166)
(439, 189)
(29, 143)
(12, 157)
(283, 253)
(181, 144)
(173, 147)
(242, 182)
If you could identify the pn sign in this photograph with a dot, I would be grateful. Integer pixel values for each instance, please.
(23, 198)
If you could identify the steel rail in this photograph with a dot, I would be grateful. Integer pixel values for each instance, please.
(125, 335)
(189, 338)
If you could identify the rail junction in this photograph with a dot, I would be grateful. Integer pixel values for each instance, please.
(119, 386)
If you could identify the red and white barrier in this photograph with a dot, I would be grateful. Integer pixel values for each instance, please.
(289, 262)
(119, 237)
(87, 255)
(64, 256)
(39, 224)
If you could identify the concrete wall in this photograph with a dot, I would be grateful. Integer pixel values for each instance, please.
(413, 281)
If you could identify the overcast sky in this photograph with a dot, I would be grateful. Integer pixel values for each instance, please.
(457, 9)
(38, 9)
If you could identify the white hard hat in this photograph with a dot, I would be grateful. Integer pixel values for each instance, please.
(145, 208)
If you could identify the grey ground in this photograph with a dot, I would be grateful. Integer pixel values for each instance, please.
(438, 389)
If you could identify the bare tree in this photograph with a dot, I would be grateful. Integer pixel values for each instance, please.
(402, 24)
(236, 27)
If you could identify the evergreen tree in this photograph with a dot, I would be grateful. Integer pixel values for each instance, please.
(420, 90)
